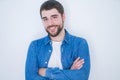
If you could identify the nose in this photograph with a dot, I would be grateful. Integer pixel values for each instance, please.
(50, 22)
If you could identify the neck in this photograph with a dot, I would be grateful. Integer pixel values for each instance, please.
(59, 37)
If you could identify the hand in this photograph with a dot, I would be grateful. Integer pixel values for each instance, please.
(77, 64)
(42, 71)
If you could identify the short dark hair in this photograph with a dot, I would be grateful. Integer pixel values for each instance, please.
(50, 4)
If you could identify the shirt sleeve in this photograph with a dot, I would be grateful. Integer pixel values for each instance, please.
(81, 74)
(31, 69)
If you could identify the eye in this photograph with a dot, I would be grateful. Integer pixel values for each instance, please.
(44, 19)
(54, 17)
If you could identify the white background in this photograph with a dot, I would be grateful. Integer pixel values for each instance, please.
(98, 21)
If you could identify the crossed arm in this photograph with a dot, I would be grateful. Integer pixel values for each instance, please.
(77, 64)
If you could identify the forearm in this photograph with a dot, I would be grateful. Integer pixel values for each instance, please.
(55, 73)
(32, 73)
(52, 73)
(34, 77)
(76, 72)
(58, 74)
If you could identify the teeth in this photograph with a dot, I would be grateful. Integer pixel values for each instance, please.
(52, 28)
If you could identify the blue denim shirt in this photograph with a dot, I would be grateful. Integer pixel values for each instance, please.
(72, 47)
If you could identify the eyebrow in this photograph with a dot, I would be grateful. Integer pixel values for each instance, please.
(44, 17)
(54, 15)
(51, 16)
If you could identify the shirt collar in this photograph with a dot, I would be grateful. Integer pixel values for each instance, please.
(47, 40)
(66, 38)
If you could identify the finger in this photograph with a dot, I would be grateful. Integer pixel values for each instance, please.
(80, 67)
(76, 60)
(80, 62)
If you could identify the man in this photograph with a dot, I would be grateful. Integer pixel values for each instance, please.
(60, 55)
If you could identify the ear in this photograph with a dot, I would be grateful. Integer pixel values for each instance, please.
(63, 16)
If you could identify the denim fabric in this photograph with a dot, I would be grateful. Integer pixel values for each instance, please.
(72, 47)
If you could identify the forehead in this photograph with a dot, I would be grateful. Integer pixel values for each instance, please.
(48, 13)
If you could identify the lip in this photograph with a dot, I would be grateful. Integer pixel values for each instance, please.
(52, 29)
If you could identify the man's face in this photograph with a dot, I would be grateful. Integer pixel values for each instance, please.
(53, 21)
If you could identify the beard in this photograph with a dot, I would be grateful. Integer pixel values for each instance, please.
(59, 29)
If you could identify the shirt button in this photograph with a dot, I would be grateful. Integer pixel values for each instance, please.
(46, 62)
(50, 51)
(50, 42)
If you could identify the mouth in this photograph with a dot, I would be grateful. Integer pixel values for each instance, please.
(52, 28)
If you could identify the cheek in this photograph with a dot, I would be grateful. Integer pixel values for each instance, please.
(59, 22)
(45, 25)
